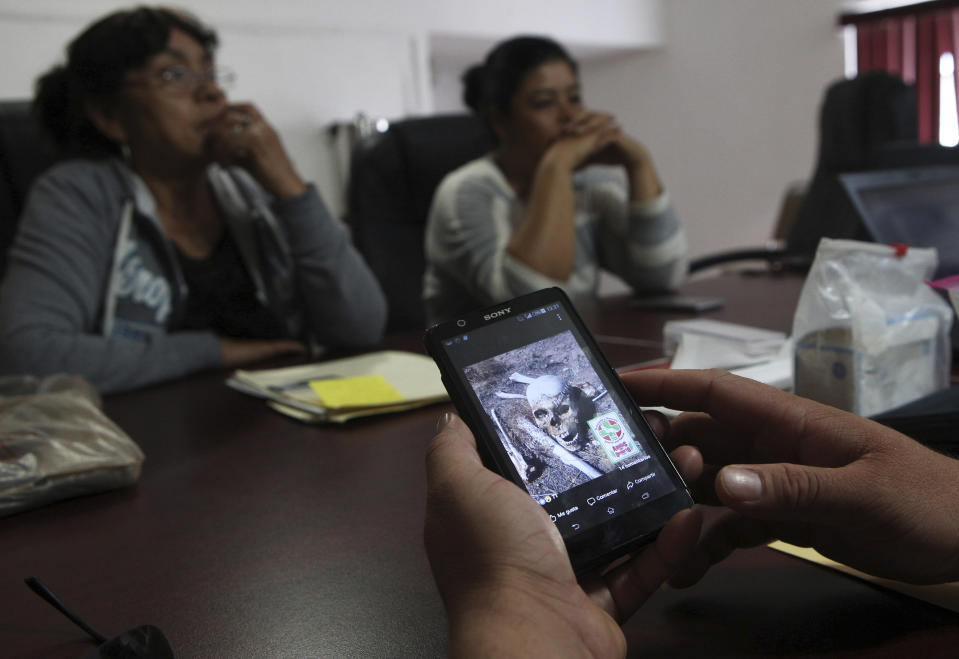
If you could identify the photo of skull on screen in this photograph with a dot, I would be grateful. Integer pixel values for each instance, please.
(553, 415)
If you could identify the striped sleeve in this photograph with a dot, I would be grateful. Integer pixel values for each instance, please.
(642, 242)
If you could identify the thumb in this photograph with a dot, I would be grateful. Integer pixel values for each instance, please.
(452, 450)
(786, 492)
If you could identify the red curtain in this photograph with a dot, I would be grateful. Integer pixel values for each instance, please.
(910, 46)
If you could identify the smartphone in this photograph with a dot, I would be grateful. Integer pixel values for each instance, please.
(551, 414)
(694, 303)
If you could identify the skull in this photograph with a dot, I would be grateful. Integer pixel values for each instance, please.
(549, 399)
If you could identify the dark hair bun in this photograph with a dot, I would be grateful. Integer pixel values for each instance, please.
(474, 79)
(52, 104)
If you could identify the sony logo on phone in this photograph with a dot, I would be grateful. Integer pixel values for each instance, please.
(496, 314)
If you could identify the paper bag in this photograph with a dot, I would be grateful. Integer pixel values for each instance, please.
(869, 333)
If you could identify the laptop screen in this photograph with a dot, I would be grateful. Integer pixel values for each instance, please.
(918, 206)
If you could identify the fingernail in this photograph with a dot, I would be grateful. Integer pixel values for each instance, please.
(743, 484)
(444, 420)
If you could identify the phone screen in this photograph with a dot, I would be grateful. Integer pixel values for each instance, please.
(560, 418)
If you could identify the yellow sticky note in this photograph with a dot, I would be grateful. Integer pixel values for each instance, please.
(358, 391)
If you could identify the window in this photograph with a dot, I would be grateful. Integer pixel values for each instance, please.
(917, 42)
(948, 120)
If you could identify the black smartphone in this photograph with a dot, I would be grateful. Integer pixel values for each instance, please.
(551, 414)
(694, 303)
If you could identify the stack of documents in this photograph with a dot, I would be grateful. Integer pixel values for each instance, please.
(737, 342)
(343, 389)
(750, 352)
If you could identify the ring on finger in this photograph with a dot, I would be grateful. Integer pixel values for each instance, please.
(241, 125)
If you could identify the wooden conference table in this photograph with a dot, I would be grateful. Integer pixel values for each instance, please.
(251, 535)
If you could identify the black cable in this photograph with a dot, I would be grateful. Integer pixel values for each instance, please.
(40, 589)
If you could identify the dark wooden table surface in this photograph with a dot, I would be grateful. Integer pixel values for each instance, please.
(251, 535)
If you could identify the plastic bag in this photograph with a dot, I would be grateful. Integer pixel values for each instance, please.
(56, 443)
(869, 333)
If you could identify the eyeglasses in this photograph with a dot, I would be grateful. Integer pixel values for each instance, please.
(181, 79)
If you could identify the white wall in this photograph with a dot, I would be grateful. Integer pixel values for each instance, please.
(724, 93)
(728, 108)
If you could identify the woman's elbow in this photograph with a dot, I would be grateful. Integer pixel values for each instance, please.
(661, 279)
(371, 330)
(365, 324)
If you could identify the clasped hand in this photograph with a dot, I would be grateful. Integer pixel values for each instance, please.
(597, 138)
(241, 136)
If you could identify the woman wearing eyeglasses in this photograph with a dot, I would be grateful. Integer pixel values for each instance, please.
(564, 193)
(182, 237)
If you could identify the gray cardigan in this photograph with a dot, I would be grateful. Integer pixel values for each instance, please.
(93, 284)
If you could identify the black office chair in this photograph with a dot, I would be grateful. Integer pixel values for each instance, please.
(25, 152)
(393, 176)
(776, 258)
(859, 119)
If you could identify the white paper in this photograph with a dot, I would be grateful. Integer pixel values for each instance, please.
(753, 341)
(775, 370)
(704, 351)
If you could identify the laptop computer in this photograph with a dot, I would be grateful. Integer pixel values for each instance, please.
(916, 206)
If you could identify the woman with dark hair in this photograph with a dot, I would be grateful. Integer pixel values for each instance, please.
(538, 211)
(181, 236)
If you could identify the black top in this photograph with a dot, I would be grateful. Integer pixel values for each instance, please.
(222, 296)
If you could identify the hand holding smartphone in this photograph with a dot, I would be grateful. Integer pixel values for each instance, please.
(550, 414)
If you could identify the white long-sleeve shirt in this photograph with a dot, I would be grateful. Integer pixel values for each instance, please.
(475, 213)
